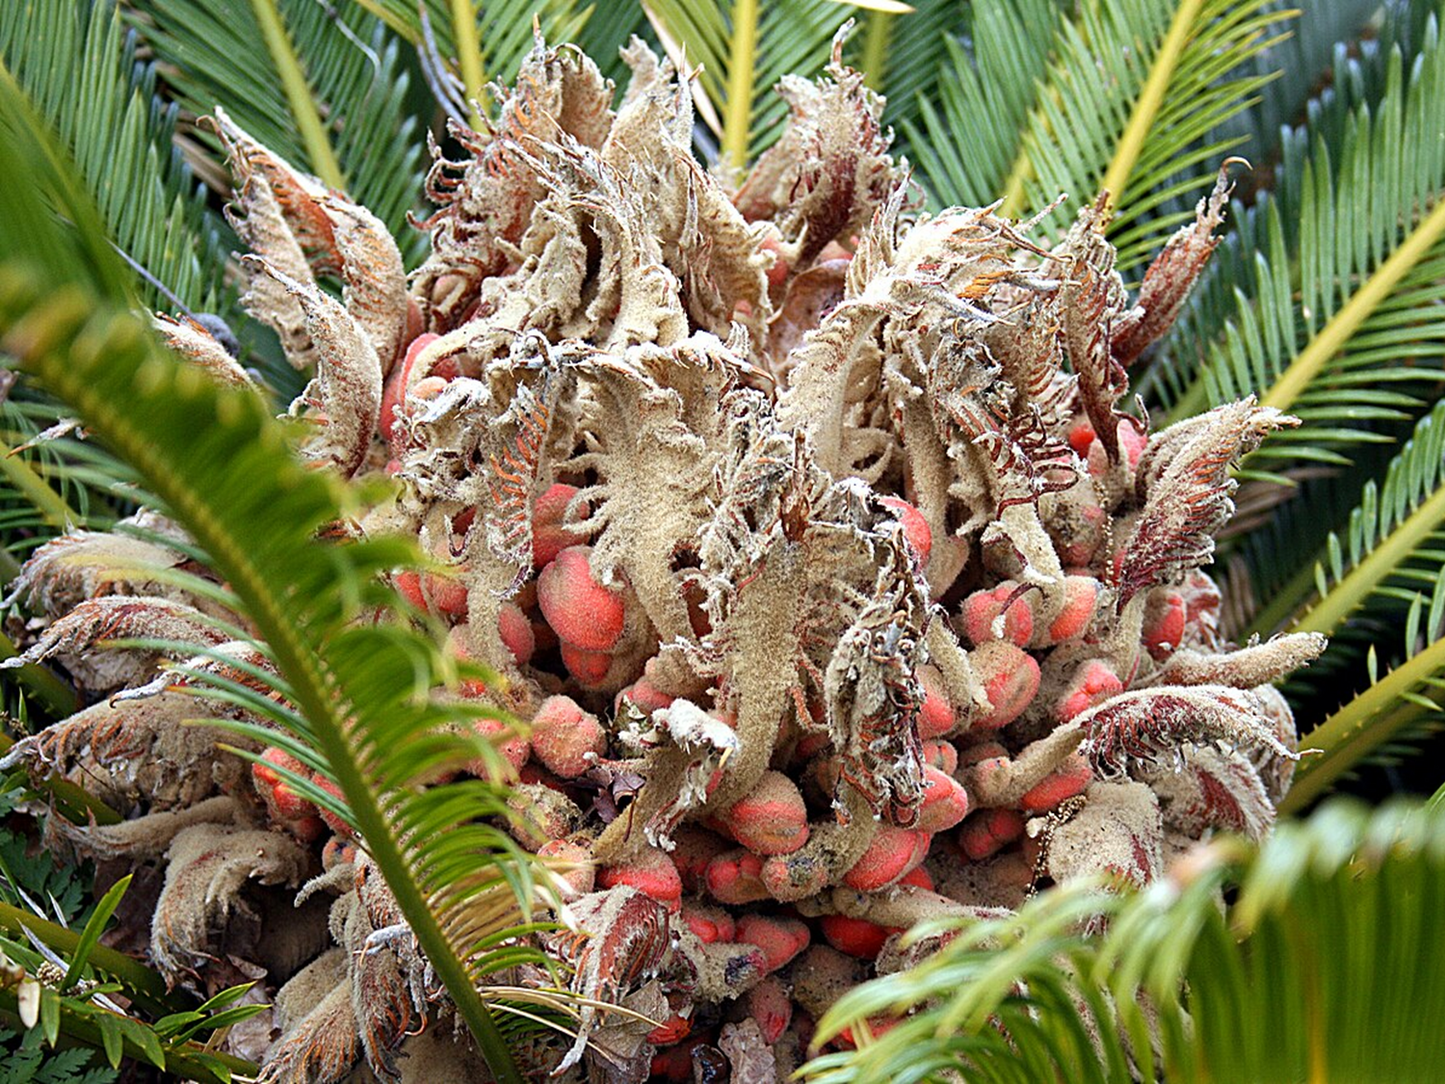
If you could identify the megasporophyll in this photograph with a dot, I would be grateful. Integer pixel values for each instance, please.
(815, 537)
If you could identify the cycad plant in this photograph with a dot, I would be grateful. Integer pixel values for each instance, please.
(703, 564)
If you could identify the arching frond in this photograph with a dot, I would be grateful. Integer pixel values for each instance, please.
(157, 218)
(361, 686)
(1334, 319)
(1128, 104)
(118, 128)
(47, 485)
(1391, 535)
(1320, 39)
(1176, 988)
(346, 121)
(1265, 233)
(1381, 574)
(970, 125)
(1407, 698)
(901, 52)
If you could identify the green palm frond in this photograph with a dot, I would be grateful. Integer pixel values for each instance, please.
(117, 127)
(1354, 79)
(744, 48)
(29, 502)
(1392, 709)
(119, 135)
(1129, 103)
(1320, 41)
(478, 42)
(47, 486)
(1386, 575)
(970, 128)
(1336, 321)
(322, 85)
(222, 467)
(1393, 534)
(1177, 988)
(900, 53)
(1382, 573)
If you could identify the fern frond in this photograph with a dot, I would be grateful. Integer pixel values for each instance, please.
(215, 53)
(1272, 994)
(1348, 306)
(744, 48)
(23, 485)
(969, 132)
(1390, 534)
(901, 53)
(1129, 104)
(359, 726)
(224, 470)
(120, 136)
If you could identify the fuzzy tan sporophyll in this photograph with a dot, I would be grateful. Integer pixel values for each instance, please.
(811, 533)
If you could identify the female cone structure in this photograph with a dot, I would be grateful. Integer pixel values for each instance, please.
(806, 529)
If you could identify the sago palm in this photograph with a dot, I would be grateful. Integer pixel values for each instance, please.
(708, 565)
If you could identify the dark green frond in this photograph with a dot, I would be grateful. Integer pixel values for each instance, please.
(1176, 988)
(1131, 103)
(1334, 319)
(1392, 708)
(116, 128)
(49, 485)
(607, 29)
(224, 469)
(970, 124)
(1302, 63)
(1391, 539)
(119, 134)
(901, 54)
(1378, 590)
(215, 53)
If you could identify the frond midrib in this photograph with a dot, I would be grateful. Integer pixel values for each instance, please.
(1371, 294)
(314, 690)
(1352, 731)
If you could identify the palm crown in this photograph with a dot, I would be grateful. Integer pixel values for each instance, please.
(753, 427)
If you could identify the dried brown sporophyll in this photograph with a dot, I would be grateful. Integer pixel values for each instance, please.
(816, 536)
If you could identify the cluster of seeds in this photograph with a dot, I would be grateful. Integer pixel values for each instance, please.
(805, 531)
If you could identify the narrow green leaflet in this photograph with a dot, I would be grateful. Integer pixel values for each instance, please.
(218, 53)
(224, 470)
(970, 128)
(1129, 102)
(1339, 327)
(1391, 534)
(1270, 988)
(94, 927)
(116, 128)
